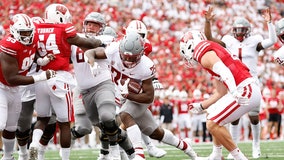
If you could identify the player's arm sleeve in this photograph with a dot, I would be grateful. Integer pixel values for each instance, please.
(226, 75)
(272, 38)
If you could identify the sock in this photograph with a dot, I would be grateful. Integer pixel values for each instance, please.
(37, 133)
(217, 150)
(146, 139)
(238, 154)
(255, 129)
(172, 140)
(234, 130)
(135, 137)
(23, 149)
(41, 151)
(8, 146)
(65, 153)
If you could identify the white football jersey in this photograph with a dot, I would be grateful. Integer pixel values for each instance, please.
(142, 71)
(279, 54)
(86, 76)
(245, 50)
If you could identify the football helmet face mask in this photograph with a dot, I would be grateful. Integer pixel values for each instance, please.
(94, 24)
(57, 13)
(279, 27)
(131, 49)
(187, 45)
(139, 27)
(241, 29)
(22, 28)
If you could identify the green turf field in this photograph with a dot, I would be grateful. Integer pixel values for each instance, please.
(270, 150)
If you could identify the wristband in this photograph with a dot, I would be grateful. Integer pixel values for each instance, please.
(39, 77)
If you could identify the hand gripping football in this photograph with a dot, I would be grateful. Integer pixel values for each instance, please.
(133, 86)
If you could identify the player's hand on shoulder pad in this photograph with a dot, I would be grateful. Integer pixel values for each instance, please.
(196, 108)
(157, 84)
(123, 88)
(239, 98)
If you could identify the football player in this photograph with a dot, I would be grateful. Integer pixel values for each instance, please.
(246, 47)
(97, 92)
(127, 61)
(236, 90)
(56, 36)
(17, 51)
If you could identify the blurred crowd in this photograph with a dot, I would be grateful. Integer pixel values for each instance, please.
(166, 21)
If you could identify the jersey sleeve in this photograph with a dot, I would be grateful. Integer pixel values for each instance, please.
(70, 30)
(8, 47)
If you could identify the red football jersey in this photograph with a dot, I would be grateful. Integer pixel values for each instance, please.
(238, 69)
(24, 54)
(53, 40)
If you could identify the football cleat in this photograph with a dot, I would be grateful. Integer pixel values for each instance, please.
(156, 152)
(189, 151)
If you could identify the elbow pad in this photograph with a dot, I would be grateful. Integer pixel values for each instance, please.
(272, 38)
(226, 75)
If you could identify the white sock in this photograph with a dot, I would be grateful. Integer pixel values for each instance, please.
(23, 149)
(134, 135)
(238, 154)
(37, 133)
(65, 152)
(8, 147)
(172, 140)
(255, 129)
(234, 130)
(147, 141)
(41, 151)
(217, 150)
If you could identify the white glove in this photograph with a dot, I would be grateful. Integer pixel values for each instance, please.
(196, 108)
(45, 60)
(239, 98)
(95, 69)
(157, 84)
(123, 89)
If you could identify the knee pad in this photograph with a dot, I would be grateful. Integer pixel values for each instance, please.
(23, 136)
(48, 133)
(75, 134)
(110, 128)
(83, 130)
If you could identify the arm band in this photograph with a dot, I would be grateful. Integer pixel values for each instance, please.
(225, 74)
(272, 38)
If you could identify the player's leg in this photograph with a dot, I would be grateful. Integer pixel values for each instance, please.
(147, 123)
(10, 108)
(255, 129)
(24, 128)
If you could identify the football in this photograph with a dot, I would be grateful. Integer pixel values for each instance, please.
(133, 86)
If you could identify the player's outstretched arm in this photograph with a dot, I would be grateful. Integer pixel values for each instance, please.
(85, 43)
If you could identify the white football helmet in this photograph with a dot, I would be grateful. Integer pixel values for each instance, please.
(22, 28)
(57, 13)
(139, 27)
(109, 31)
(37, 20)
(241, 28)
(94, 17)
(131, 48)
(279, 27)
(188, 43)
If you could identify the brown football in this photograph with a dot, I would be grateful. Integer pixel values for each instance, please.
(133, 86)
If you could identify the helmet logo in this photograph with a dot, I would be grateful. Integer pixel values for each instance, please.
(187, 37)
(61, 9)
